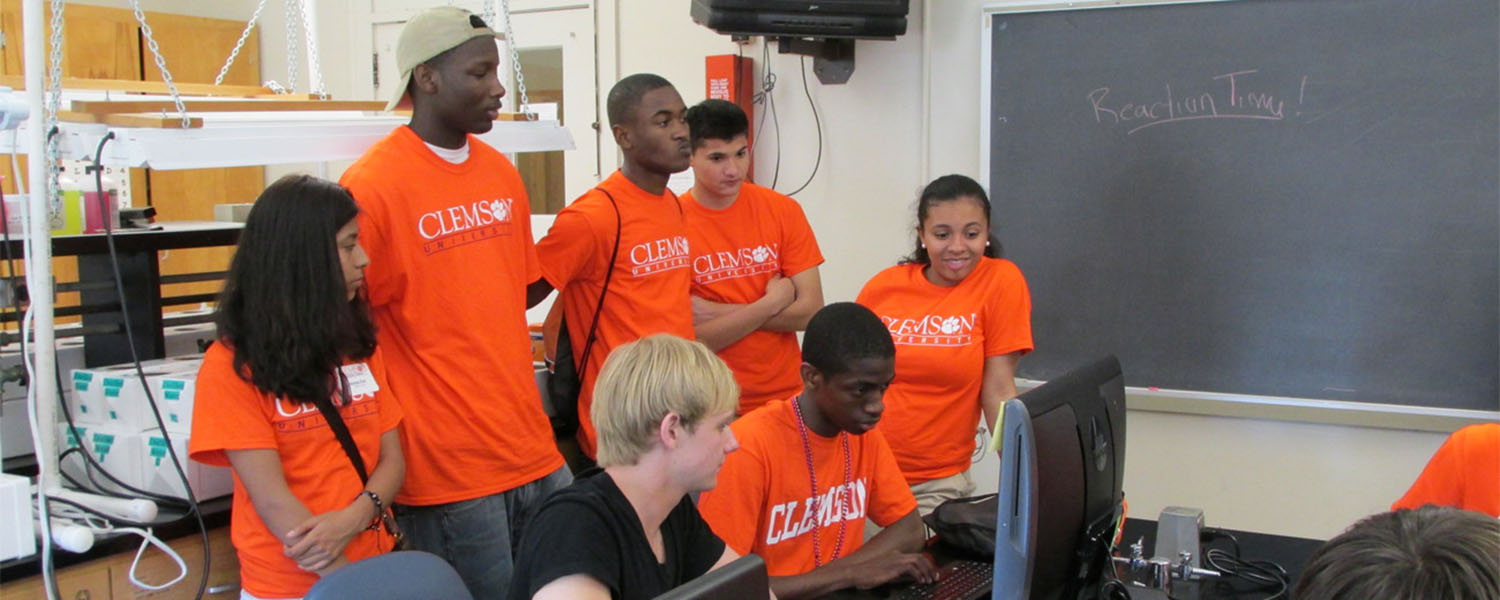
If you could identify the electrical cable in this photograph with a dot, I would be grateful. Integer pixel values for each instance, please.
(99, 489)
(817, 126)
(768, 83)
(84, 508)
(101, 524)
(114, 259)
(1261, 573)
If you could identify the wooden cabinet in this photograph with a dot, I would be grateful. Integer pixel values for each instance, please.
(106, 43)
(88, 581)
(108, 578)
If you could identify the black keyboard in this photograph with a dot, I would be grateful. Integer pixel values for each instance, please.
(957, 580)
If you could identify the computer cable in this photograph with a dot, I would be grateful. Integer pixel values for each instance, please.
(91, 466)
(767, 84)
(114, 259)
(817, 126)
(1262, 573)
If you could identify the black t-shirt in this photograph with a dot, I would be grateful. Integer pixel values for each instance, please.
(590, 528)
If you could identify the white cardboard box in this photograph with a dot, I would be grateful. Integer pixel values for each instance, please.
(159, 476)
(16, 538)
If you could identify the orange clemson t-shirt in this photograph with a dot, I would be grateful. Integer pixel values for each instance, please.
(942, 336)
(1464, 472)
(765, 502)
(230, 413)
(648, 293)
(735, 252)
(451, 254)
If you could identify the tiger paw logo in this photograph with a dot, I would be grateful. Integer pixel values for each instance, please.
(501, 210)
(761, 254)
(950, 326)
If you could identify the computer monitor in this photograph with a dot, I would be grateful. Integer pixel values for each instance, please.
(1062, 463)
(742, 579)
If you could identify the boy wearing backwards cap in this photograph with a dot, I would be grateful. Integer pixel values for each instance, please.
(446, 223)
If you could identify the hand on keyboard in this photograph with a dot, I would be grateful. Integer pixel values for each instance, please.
(958, 580)
(896, 565)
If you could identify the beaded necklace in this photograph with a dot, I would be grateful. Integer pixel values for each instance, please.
(812, 477)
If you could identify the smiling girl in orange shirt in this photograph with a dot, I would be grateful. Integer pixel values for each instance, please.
(961, 319)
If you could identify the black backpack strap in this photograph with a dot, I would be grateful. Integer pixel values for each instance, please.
(609, 274)
(340, 430)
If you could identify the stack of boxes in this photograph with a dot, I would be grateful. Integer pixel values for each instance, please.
(113, 419)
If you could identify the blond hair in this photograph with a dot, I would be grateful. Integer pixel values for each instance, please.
(644, 381)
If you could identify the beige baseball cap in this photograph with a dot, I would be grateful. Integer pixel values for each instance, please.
(430, 33)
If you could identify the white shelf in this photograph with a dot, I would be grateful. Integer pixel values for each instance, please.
(234, 139)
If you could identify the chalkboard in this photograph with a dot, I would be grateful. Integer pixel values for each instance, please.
(1292, 198)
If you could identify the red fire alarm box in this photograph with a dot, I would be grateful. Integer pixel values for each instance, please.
(732, 78)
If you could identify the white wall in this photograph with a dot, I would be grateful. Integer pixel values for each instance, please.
(1301, 479)
(911, 111)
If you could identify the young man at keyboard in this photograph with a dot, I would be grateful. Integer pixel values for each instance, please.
(810, 469)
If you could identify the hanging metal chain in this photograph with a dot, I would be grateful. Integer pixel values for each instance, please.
(314, 71)
(238, 45)
(50, 120)
(293, 9)
(489, 12)
(161, 63)
(515, 60)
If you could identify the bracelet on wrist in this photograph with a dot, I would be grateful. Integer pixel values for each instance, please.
(379, 508)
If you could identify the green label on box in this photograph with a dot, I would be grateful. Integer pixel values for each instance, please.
(173, 384)
(158, 449)
(102, 442)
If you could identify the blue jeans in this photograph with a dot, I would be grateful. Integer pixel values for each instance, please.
(478, 537)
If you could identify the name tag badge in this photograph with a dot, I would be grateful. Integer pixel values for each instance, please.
(361, 380)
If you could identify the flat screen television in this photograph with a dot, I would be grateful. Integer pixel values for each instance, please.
(856, 19)
(1062, 466)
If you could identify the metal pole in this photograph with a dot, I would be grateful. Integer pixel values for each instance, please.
(39, 253)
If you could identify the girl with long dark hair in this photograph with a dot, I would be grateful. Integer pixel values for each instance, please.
(295, 343)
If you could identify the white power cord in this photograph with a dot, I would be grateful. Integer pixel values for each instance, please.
(99, 526)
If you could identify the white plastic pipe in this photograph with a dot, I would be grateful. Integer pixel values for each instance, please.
(39, 255)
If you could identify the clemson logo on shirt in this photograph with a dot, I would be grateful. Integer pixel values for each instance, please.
(932, 330)
(292, 417)
(793, 519)
(455, 226)
(740, 262)
(660, 255)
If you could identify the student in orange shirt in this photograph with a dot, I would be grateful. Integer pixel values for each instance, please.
(448, 227)
(961, 319)
(1464, 472)
(295, 332)
(634, 212)
(809, 470)
(755, 260)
